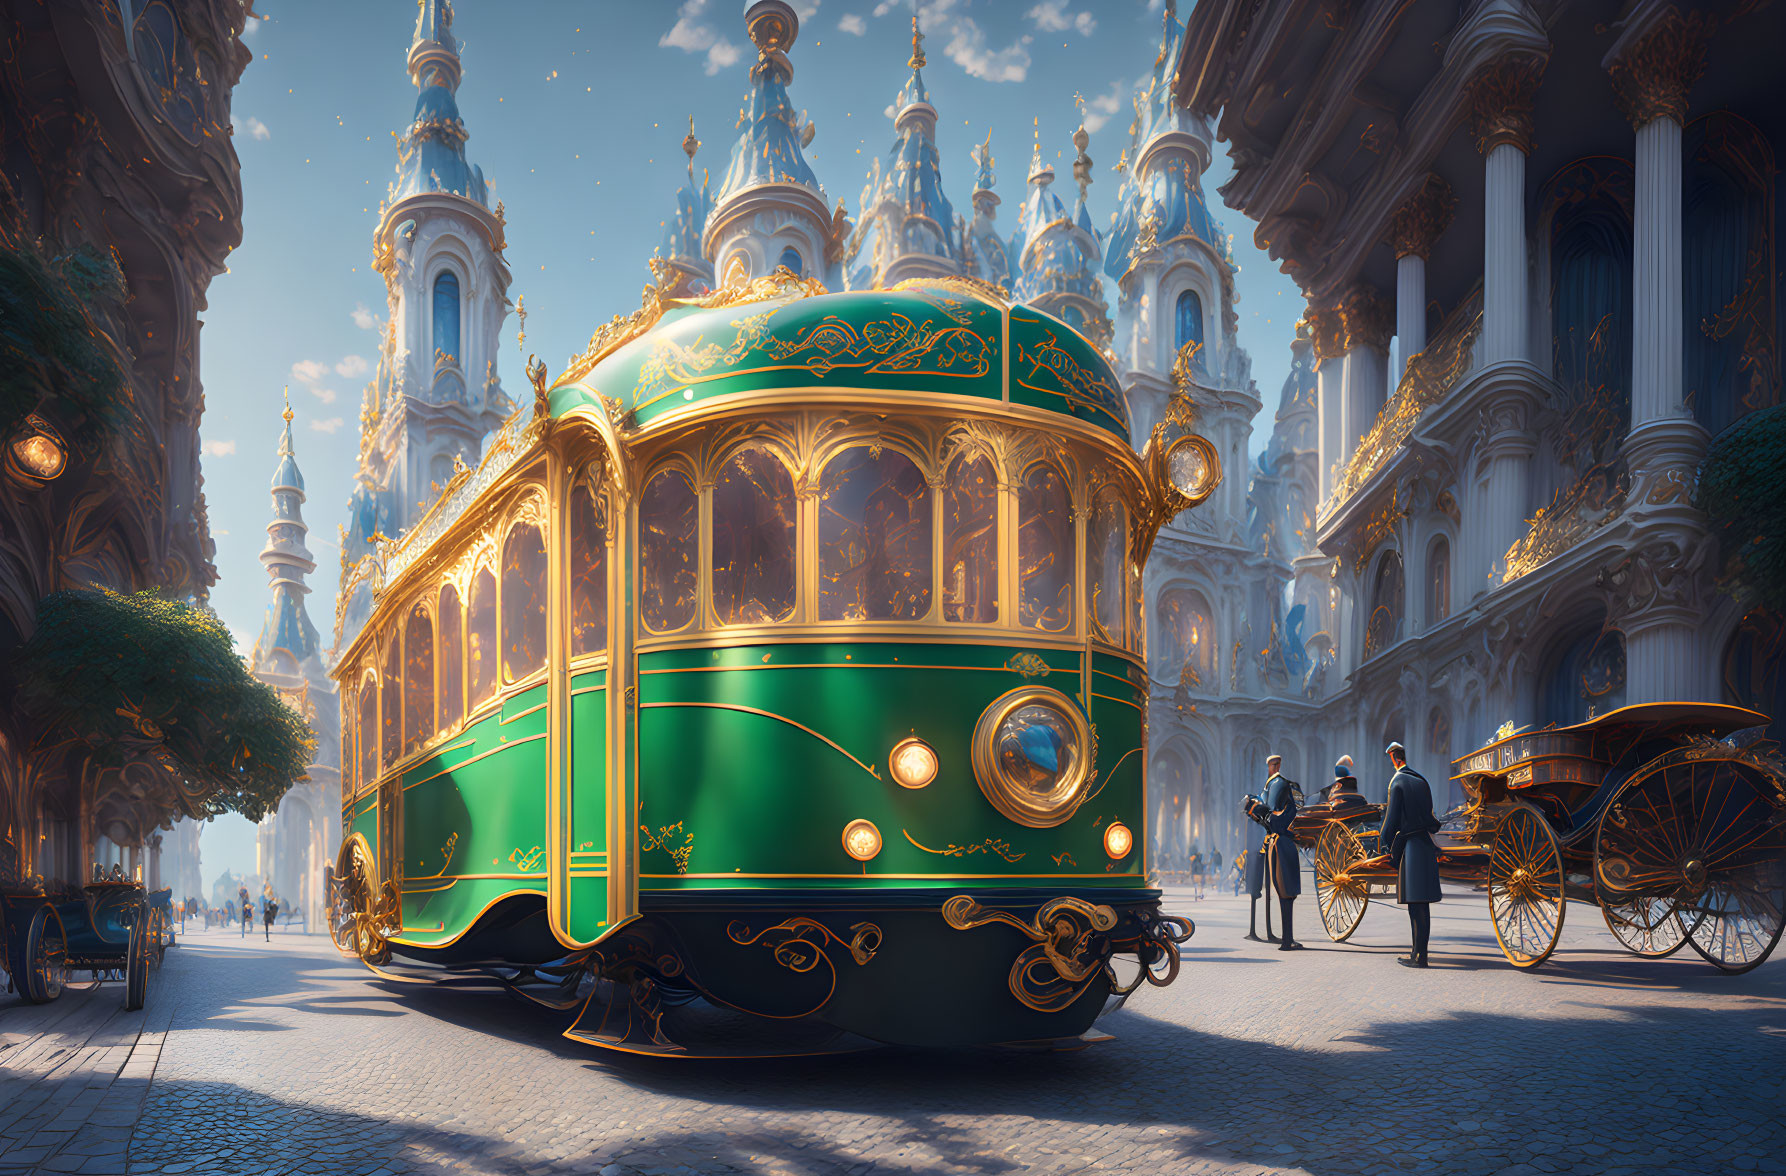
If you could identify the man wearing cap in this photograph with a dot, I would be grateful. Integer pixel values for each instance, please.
(1280, 847)
(1408, 826)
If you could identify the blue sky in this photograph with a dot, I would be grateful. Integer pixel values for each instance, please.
(576, 111)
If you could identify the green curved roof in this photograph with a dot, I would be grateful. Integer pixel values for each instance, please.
(920, 339)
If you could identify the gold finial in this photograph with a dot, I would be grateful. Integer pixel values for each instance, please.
(917, 58)
(521, 317)
(542, 397)
(287, 413)
(690, 145)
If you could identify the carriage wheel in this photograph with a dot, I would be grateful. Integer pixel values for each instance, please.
(1649, 927)
(136, 960)
(1525, 887)
(1341, 897)
(351, 918)
(1704, 829)
(45, 957)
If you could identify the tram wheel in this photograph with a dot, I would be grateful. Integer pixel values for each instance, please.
(136, 960)
(45, 957)
(1525, 887)
(1703, 827)
(1341, 897)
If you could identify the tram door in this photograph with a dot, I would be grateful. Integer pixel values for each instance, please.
(390, 833)
(593, 889)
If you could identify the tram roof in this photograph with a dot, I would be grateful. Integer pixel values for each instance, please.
(924, 336)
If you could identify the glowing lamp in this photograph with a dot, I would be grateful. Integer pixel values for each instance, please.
(912, 762)
(1118, 841)
(36, 451)
(861, 840)
(1193, 467)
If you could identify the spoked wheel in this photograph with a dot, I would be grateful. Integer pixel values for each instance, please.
(351, 914)
(137, 952)
(1342, 898)
(1649, 927)
(1525, 887)
(1703, 828)
(44, 958)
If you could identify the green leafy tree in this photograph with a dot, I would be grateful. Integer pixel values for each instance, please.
(141, 678)
(52, 349)
(1742, 490)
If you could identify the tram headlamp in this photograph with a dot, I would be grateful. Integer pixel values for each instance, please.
(1193, 467)
(1031, 756)
(912, 762)
(861, 840)
(1118, 841)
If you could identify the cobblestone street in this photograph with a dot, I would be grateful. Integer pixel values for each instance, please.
(284, 1058)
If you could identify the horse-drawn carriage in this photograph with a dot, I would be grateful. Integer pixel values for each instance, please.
(786, 666)
(1663, 814)
(112, 928)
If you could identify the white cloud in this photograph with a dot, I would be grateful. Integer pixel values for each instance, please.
(326, 395)
(1085, 23)
(326, 426)
(692, 34)
(363, 318)
(966, 47)
(806, 9)
(309, 371)
(1050, 16)
(220, 448)
(1101, 109)
(885, 6)
(351, 366)
(852, 23)
(251, 26)
(250, 126)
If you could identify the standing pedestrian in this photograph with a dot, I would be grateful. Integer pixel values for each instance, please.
(247, 915)
(272, 912)
(1196, 874)
(1408, 826)
(1284, 865)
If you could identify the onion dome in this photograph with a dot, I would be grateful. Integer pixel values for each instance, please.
(768, 150)
(985, 254)
(1161, 198)
(431, 154)
(287, 641)
(681, 247)
(907, 226)
(779, 336)
(1058, 252)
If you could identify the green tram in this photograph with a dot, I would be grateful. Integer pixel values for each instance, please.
(779, 685)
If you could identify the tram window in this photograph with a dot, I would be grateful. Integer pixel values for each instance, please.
(970, 542)
(1045, 551)
(874, 538)
(368, 722)
(753, 540)
(418, 679)
(391, 713)
(480, 633)
(1105, 571)
(523, 602)
(589, 572)
(668, 518)
(449, 700)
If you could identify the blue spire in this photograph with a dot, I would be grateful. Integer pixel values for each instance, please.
(986, 256)
(768, 150)
(431, 154)
(681, 245)
(287, 629)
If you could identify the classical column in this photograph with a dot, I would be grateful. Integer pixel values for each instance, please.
(1366, 319)
(1653, 596)
(1503, 463)
(1412, 232)
(1324, 334)
(1501, 115)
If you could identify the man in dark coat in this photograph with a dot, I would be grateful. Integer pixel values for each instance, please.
(1408, 826)
(1280, 847)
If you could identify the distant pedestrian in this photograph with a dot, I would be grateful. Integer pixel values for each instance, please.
(247, 916)
(1196, 874)
(1215, 865)
(272, 912)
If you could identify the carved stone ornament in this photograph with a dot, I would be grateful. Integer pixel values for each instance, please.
(1325, 332)
(1368, 319)
(1656, 578)
(1500, 99)
(1426, 214)
(1651, 78)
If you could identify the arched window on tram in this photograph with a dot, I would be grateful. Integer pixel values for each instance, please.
(480, 637)
(368, 724)
(874, 537)
(1106, 539)
(390, 719)
(449, 699)
(589, 570)
(668, 521)
(1045, 551)
(418, 679)
(753, 540)
(523, 601)
(970, 541)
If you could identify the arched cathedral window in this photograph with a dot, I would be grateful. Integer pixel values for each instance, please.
(1587, 678)
(1438, 582)
(1188, 325)
(446, 317)
(1590, 300)
(1385, 625)
(790, 257)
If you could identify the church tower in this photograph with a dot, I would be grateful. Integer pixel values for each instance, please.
(298, 839)
(906, 226)
(770, 210)
(1058, 252)
(984, 253)
(439, 244)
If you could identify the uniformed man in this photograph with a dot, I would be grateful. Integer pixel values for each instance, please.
(1280, 847)
(1408, 826)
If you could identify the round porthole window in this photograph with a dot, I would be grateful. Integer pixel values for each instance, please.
(1030, 756)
